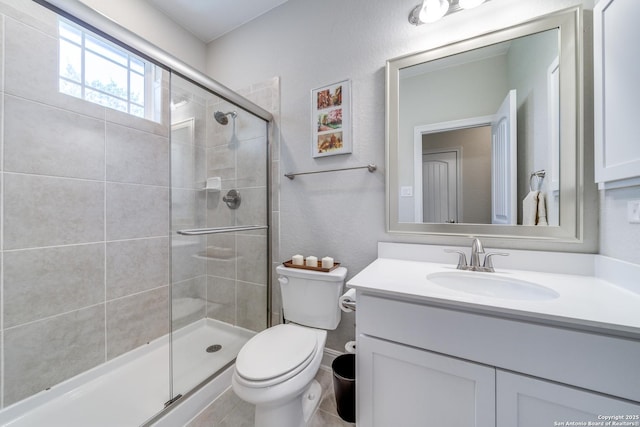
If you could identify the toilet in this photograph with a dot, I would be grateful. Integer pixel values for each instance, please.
(276, 369)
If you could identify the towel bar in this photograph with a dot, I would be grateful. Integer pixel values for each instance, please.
(370, 167)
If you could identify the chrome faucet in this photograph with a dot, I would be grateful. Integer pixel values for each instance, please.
(474, 264)
(476, 249)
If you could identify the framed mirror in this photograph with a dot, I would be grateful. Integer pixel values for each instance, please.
(485, 137)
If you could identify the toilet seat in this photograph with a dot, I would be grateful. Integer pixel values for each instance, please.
(276, 354)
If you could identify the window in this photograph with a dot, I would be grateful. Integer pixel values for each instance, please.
(98, 71)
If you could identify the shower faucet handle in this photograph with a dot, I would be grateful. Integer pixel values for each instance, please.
(232, 199)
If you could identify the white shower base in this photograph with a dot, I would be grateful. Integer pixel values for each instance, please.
(132, 388)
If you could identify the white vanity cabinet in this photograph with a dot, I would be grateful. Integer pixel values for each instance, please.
(399, 385)
(424, 363)
(616, 69)
(530, 402)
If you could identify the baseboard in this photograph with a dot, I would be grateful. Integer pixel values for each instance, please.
(328, 358)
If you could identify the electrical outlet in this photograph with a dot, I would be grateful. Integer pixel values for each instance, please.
(633, 211)
(406, 191)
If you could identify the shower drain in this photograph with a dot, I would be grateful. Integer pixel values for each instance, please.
(213, 348)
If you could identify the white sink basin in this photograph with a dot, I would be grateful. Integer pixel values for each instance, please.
(491, 285)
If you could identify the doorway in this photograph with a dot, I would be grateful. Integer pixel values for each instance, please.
(440, 186)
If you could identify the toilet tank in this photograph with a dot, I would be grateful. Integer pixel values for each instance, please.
(310, 298)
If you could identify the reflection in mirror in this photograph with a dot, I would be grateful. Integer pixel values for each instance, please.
(509, 84)
(473, 128)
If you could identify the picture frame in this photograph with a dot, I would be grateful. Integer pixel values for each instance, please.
(331, 120)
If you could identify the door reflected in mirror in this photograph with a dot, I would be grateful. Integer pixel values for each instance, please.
(452, 160)
(472, 129)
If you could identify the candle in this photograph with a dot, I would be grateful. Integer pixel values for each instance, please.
(312, 261)
(297, 260)
(327, 262)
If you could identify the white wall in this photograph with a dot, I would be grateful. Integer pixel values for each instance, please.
(529, 59)
(310, 44)
(143, 19)
(618, 238)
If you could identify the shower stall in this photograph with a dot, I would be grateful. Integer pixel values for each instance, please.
(219, 224)
(136, 222)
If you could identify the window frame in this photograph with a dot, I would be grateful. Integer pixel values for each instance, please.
(151, 78)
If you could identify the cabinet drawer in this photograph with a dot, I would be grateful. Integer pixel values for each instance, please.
(596, 362)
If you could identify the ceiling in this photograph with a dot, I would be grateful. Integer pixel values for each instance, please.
(210, 19)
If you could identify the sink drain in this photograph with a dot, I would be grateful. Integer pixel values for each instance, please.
(213, 348)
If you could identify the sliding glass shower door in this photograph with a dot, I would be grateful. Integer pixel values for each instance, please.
(219, 232)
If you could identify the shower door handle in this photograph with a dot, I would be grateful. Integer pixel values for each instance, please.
(218, 230)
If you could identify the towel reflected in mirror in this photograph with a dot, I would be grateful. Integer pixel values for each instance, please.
(534, 209)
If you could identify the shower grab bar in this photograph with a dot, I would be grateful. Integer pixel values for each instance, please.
(371, 168)
(218, 230)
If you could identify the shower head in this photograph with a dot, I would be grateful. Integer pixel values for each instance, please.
(222, 117)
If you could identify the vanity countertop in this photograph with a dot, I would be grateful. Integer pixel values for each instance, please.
(584, 302)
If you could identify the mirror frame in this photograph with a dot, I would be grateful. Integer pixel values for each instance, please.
(578, 229)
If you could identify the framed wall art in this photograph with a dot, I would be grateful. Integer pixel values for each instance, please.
(331, 119)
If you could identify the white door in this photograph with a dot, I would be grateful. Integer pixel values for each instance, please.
(522, 401)
(440, 187)
(553, 175)
(504, 169)
(403, 386)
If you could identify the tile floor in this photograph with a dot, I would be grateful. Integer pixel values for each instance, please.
(229, 411)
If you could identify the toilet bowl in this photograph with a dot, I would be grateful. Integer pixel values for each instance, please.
(275, 370)
(281, 386)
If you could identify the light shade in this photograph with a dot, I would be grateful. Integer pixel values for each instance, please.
(468, 4)
(432, 10)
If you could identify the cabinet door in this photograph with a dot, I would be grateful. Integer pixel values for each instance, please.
(403, 386)
(616, 70)
(528, 402)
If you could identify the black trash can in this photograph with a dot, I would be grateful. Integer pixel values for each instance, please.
(344, 385)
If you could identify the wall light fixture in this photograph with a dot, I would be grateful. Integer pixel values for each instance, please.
(432, 10)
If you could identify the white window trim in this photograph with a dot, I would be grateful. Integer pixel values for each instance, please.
(151, 111)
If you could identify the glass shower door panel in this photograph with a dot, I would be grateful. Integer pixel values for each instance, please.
(219, 275)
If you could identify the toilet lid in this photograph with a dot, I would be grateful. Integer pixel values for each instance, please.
(275, 352)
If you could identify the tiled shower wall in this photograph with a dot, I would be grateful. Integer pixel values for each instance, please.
(239, 157)
(227, 271)
(188, 201)
(267, 95)
(85, 199)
